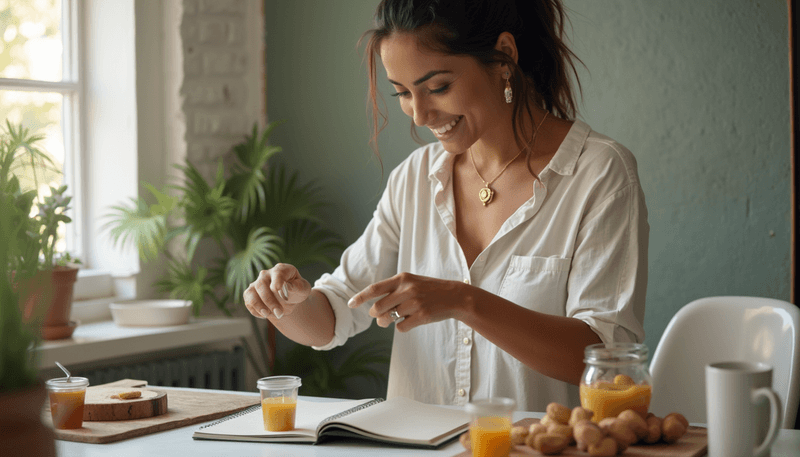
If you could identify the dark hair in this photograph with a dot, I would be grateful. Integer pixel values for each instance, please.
(472, 27)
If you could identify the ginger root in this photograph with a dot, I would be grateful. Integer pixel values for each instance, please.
(559, 413)
(550, 443)
(673, 427)
(129, 395)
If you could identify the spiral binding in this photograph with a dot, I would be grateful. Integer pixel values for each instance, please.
(350, 411)
(247, 410)
(254, 408)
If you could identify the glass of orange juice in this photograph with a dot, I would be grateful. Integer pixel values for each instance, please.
(67, 397)
(279, 402)
(490, 426)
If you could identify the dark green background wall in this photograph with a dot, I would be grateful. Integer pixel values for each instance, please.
(697, 90)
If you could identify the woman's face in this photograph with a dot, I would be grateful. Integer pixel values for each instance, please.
(454, 96)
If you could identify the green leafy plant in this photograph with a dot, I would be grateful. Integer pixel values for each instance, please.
(27, 245)
(253, 216)
(21, 164)
(17, 367)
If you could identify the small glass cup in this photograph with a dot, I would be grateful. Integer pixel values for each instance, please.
(279, 402)
(490, 426)
(67, 401)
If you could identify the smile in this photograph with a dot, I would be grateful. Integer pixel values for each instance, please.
(438, 131)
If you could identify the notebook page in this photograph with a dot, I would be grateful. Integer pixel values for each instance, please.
(403, 419)
(309, 414)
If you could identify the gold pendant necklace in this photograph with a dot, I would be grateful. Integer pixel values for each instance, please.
(487, 193)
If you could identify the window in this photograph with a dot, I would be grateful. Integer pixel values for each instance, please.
(40, 89)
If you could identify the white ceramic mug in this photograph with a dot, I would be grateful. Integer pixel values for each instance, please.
(742, 411)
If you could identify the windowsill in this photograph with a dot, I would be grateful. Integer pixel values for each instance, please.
(105, 340)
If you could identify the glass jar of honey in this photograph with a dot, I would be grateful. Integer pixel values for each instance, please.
(67, 397)
(616, 378)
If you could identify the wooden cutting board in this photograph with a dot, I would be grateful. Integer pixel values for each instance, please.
(693, 444)
(186, 407)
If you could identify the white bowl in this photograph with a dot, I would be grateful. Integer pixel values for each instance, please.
(151, 313)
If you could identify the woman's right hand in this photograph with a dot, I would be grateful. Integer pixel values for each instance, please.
(276, 292)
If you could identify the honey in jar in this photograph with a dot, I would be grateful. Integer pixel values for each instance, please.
(67, 401)
(615, 379)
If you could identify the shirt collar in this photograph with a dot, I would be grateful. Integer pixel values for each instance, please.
(442, 167)
(563, 162)
(565, 158)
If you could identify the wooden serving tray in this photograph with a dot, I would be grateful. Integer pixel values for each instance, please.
(693, 444)
(186, 407)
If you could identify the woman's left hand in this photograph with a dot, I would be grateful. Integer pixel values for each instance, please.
(417, 299)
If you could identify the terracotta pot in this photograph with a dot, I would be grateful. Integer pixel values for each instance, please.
(21, 429)
(49, 294)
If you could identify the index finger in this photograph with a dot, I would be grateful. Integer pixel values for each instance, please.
(371, 292)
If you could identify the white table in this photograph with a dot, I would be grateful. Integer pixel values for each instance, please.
(179, 442)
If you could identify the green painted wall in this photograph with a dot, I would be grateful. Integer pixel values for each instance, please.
(697, 90)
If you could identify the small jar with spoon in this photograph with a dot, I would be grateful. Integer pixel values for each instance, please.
(67, 397)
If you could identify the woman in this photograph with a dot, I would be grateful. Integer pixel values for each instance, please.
(502, 250)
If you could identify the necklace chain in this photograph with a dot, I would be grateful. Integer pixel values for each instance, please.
(486, 193)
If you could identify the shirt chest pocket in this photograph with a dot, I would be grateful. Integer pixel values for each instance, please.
(537, 283)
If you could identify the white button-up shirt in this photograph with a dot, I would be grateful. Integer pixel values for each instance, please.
(577, 248)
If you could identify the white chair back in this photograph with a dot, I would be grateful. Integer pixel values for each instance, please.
(716, 329)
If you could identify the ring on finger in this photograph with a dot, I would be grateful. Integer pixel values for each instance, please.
(394, 314)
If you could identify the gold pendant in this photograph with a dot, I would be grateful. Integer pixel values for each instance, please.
(486, 195)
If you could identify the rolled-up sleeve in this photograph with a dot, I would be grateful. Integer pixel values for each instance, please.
(608, 281)
(373, 257)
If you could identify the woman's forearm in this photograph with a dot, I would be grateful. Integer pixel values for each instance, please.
(311, 323)
(551, 345)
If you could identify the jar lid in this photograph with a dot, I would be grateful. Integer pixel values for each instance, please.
(493, 405)
(615, 354)
(278, 382)
(75, 382)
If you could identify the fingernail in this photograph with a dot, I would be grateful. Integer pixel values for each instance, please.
(278, 313)
(284, 292)
(351, 303)
(264, 313)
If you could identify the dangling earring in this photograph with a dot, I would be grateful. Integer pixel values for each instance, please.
(507, 92)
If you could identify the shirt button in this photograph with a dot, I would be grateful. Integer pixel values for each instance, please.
(461, 392)
(466, 341)
(466, 280)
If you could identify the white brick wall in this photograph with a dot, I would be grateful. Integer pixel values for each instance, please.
(223, 67)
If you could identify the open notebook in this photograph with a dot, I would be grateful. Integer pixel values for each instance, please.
(398, 421)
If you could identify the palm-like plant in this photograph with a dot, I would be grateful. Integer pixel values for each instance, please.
(255, 216)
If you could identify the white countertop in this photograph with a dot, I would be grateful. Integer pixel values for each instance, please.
(105, 340)
(179, 442)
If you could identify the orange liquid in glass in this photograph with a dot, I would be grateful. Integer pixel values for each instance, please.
(279, 413)
(67, 409)
(607, 399)
(491, 437)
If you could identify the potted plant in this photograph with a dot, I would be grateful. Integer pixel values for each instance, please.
(45, 278)
(249, 218)
(21, 393)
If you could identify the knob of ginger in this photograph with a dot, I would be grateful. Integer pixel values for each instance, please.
(673, 427)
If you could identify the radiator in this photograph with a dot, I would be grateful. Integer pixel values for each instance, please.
(214, 370)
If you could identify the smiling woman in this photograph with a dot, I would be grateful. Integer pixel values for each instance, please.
(504, 248)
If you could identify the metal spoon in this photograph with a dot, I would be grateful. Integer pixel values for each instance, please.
(65, 371)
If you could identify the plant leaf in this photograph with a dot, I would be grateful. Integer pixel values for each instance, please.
(137, 225)
(262, 252)
(307, 243)
(185, 283)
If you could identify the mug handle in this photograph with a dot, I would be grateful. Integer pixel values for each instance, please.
(776, 413)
